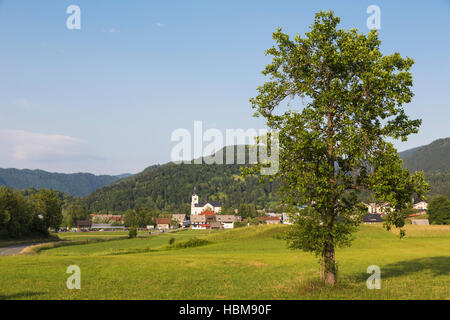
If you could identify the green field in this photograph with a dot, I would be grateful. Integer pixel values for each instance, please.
(245, 263)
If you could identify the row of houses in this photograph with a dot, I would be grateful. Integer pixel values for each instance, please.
(205, 215)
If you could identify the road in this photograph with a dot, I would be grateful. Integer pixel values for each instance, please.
(9, 251)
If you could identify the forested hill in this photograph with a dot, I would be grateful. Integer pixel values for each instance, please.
(429, 158)
(434, 160)
(75, 184)
(169, 187)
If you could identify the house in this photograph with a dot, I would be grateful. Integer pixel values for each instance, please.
(83, 224)
(422, 205)
(107, 217)
(420, 213)
(210, 216)
(199, 207)
(162, 223)
(285, 219)
(215, 225)
(181, 219)
(372, 218)
(227, 220)
(270, 220)
(374, 208)
(198, 222)
(272, 214)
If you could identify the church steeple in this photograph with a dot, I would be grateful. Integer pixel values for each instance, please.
(194, 200)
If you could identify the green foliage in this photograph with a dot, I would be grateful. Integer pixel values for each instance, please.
(171, 241)
(239, 224)
(247, 211)
(74, 213)
(139, 218)
(24, 217)
(193, 242)
(46, 203)
(335, 145)
(132, 233)
(76, 184)
(439, 210)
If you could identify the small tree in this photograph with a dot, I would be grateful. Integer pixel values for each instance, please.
(171, 241)
(132, 233)
(336, 145)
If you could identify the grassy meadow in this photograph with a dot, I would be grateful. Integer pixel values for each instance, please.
(244, 263)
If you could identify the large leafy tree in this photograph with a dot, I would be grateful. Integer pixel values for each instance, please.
(336, 143)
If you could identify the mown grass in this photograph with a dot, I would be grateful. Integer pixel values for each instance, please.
(245, 263)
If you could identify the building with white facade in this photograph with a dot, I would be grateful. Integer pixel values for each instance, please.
(199, 207)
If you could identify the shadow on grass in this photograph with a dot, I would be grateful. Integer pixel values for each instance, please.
(438, 266)
(20, 295)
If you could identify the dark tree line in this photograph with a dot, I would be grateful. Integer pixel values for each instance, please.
(24, 214)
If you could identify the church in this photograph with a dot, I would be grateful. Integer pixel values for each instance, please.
(199, 207)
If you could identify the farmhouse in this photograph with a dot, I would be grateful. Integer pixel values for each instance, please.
(285, 219)
(422, 205)
(227, 220)
(107, 217)
(198, 222)
(270, 220)
(181, 219)
(215, 225)
(199, 207)
(372, 218)
(82, 224)
(162, 223)
(374, 208)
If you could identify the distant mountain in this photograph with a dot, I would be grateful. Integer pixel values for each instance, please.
(124, 175)
(434, 160)
(429, 158)
(75, 184)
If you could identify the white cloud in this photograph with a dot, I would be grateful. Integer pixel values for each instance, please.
(23, 149)
(158, 24)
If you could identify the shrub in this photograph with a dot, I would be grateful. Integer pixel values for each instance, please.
(194, 242)
(239, 224)
(171, 241)
(132, 233)
(439, 210)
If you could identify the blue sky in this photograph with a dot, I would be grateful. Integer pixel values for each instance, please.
(105, 99)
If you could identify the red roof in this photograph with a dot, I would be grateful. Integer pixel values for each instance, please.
(209, 213)
(162, 221)
(269, 218)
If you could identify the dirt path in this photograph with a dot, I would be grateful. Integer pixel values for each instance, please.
(9, 251)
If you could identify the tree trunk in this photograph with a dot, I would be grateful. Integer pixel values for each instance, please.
(329, 265)
(321, 268)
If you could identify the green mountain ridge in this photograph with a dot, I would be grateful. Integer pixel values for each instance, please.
(434, 160)
(75, 184)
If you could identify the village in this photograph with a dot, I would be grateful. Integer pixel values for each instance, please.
(207, 215)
